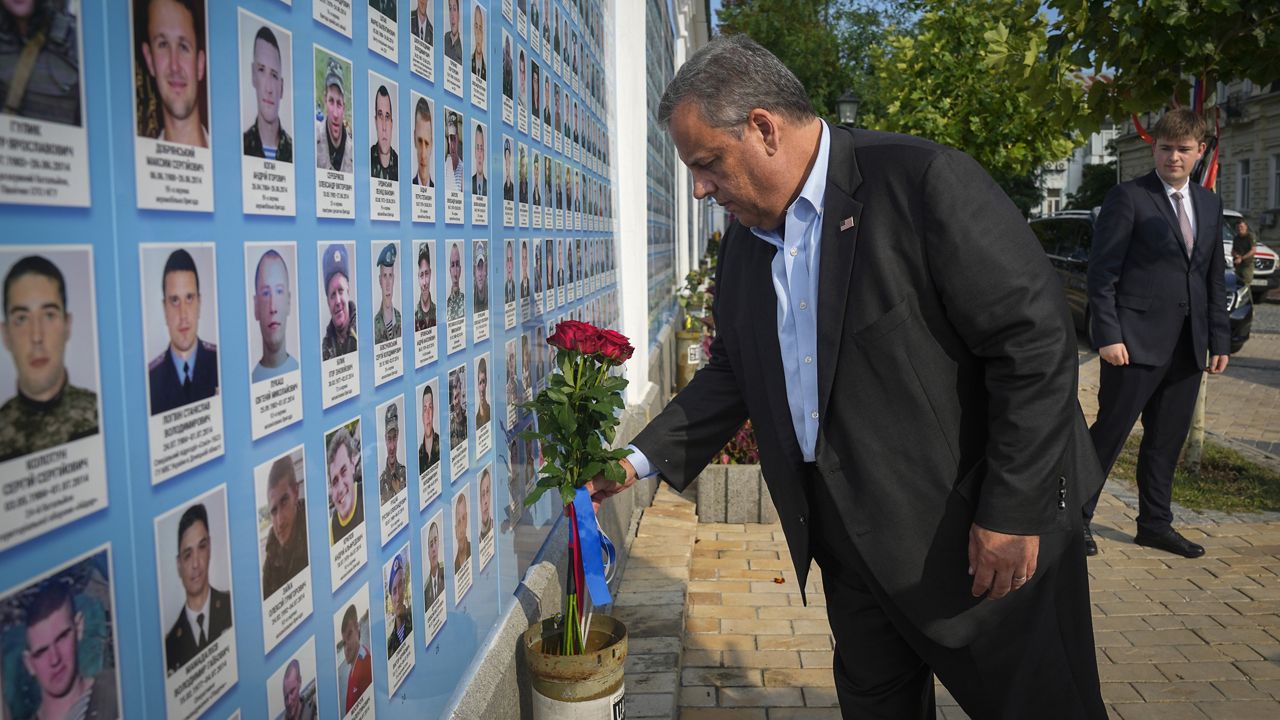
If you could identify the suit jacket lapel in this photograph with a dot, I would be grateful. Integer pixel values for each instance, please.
(841, 218)
(763, 317)
(1155, 190)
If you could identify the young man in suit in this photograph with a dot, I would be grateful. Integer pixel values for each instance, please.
(916, 411)
(1157, 307)
(206, 612)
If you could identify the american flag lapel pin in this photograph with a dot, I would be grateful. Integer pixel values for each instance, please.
(846, 223)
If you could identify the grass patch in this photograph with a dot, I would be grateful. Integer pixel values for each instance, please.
(1227, 482)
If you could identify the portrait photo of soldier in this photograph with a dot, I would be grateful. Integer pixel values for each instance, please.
(433, 584)
(334, 146)
(293, 689)
(387, 8)
(479, 65)
(524, 269)
(273, 285)
(284, 552)
(479, 178)
(453, 151)
(422, 144)
(455, 303)
(391, 478)
(170, 71)
(523, 175)
(486, 502)
(266, 55)
(537, 184)
(453, 34)
(355, 662)
(338, 292)
(508, 184)
(508, 81)
(429, 444)
(384, 162)
(509, 285)
(205, 612)
(40, 61)
(480, 274)
(399, 602)
(420, 25)
(461, 532)
(345, 488)
(424, 310)
(57, 643)
(47, 408)
(386, 323)
(484, 413)
(186, 370)
(458, 406)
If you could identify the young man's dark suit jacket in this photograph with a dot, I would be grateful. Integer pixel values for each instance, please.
(182, 643)
(946, 380)
(1142, 286)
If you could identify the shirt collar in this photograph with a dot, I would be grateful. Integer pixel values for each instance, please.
(178, 360)
(808, 204)
(1170, 190)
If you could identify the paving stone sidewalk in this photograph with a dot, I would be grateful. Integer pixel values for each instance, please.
(719, 631)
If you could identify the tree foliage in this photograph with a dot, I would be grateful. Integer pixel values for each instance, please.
(1095, 181)
(1154, 49)
(966, 75)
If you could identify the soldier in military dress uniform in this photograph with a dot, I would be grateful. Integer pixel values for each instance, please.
(392, 478)
(206, 610)
(39, 62)
(187, 370)
(434, 584)
(47, 410)
(386, 323)
(340, 335)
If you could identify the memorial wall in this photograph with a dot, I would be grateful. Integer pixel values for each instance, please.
(275, 280)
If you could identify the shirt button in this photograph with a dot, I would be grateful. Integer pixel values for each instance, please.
(814, 415)
(794, 251)
(804, 305)
(808, 359)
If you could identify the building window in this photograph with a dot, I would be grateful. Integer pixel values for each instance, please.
(1242, 184)
(1052, 201)
(1275, 181)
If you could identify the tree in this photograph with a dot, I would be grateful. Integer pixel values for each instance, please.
(950, 78)
(1095, 181)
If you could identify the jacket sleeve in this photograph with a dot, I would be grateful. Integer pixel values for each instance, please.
(1219, 321)
(1002, 297)
(1111, 236)
(702, 417)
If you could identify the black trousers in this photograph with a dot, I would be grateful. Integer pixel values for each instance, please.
(1038, 663)
(1165, 397)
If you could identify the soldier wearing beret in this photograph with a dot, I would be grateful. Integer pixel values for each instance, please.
(333, 140)
(392, 478)
(401, 626)
(340, 336)
(386, 324)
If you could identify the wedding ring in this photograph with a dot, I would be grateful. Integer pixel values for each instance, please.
(1019, 579)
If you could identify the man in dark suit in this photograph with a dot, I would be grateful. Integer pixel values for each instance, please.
(914, 398)
(187, 370)
(420, 22)
(1157, 307)
(206, 613)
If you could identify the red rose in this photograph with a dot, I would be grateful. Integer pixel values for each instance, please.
(575, 336)
(615, 347)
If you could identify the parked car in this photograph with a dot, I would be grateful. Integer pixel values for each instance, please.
(1265, 277)
(1067, 236)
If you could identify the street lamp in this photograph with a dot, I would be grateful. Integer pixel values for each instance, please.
(847, 107)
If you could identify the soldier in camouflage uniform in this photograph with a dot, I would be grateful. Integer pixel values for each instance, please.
(392, 478)
(424, 314)
(455, 304)
(340, 335)
(386, 323)
(47, 85)
(47, 410)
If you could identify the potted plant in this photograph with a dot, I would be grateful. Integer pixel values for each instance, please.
(577, 656)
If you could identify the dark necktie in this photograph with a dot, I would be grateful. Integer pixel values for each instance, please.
(203, 639)
(1188, 239)
(186, 377)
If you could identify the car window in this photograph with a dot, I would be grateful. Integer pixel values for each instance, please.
(1046, 233)
(1079, 237)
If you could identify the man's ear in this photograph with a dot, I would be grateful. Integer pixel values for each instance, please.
(200, 66)
(763, 124)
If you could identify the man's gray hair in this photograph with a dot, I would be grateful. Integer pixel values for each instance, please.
(731, 76)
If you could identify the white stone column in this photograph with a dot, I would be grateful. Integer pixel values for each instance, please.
(685, 246)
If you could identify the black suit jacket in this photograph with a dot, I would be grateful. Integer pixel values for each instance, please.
(946, 379)
(167, 392)
(1142, 285)
(182, 643)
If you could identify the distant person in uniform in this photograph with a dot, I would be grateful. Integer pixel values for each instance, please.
(424, 313)
(453, 38)
(401, 625)
(480, 291)
(457, 406)
(479, 180)
(206, 612)
(429, 448)
(296, 707)
(453, 151)
(173, 50)
(356, 671)
(266, 137)
(455, 304)
(434, 584)
(483, 412)
(523, 180)
(52, 655)
(340, 335)
(39, 61)
(479, 67)
(1243, 245)
(461, 534)
(47, 410)
(386, 7)
(486, 503)
(346, 500)
(286, 554)
(507, 80)
(524, 269)
(272, 305)
(509, 287)
(187, 370)
(333, 140)
(386, 323)
(392, 478)
(508, 186)
(420, 22)
(384, 163)
(422, 143)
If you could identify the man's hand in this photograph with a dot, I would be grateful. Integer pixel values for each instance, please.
(602, 489)
(1000, 563)
(1114, 354)
(1218, 363)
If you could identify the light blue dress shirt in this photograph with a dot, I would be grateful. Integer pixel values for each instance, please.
(178, 362)
(795, 283)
